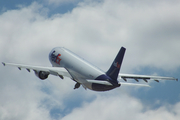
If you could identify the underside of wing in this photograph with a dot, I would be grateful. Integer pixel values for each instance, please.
(58, 71)
(144, 77)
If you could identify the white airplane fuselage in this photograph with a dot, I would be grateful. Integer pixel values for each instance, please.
(80, 70)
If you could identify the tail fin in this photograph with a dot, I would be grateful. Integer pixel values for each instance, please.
(116, 65)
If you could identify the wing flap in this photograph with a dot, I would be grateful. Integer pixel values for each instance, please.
(52, 70)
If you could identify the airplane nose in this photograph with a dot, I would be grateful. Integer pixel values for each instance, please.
(51, 54)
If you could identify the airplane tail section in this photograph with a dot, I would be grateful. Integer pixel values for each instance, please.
(116, 65)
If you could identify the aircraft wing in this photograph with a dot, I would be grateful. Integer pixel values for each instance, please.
(145, 77)
(57, 71)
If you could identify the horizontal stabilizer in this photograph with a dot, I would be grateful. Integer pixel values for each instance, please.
(100, 82)
(134, 84)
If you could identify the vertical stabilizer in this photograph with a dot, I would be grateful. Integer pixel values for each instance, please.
(116, 65)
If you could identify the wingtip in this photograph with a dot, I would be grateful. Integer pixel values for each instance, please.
(3, 63)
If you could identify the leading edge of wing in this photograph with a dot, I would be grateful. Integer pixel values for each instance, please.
(51, 70)
(145, 77)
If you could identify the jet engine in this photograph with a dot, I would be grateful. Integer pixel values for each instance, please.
(42, 75)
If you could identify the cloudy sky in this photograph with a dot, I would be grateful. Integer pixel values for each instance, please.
(95, 30)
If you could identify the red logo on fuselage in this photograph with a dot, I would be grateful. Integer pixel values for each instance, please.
(55, 58)
(58, 59)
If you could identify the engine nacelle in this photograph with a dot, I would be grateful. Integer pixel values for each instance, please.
(42, 75)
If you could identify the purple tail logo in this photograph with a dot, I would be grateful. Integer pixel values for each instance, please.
(116, 65)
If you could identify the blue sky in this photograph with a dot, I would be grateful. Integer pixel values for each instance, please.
(53, 9)
(95, 31)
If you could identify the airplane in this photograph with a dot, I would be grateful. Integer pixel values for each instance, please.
(67, 64)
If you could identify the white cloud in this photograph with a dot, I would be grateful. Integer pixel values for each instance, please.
(61, 2)
(95, 31)
(122, 107)
(150, 33)
(20, 97)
